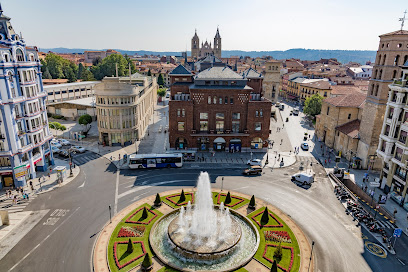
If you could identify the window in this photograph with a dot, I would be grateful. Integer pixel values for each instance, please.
(226, 100)
(204, 115)
(236, 115)
(220, 101)
(215, 100)
(219, 116)
(403, 137)
(183, 113)
(258, 126)
(219, 125)
(325, 94)
(209, 99)
(260, 113)
(349, 116)
(180, 126)
(231, 100)
(256, 113)
(20, 55)
(178, 112)
(328, 110)
(203, 126)
(235, 126)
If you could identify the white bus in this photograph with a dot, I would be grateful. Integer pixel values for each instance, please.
(155, 161)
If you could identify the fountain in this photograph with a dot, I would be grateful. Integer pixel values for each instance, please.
(204, 237)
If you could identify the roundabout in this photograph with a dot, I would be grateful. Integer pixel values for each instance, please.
(201, 230)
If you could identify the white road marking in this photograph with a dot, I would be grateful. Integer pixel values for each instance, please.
(48, 236)
(115, 208)
(150, 185)
(83, 184)
(241, 187)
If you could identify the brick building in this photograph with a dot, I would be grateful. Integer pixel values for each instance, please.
(216, 110)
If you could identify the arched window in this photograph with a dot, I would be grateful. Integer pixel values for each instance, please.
(379, 59)
(20, 55)
(396, 60)
(405, 59)
(383, 61)
(375, 73)
(376, 90)
(372, 89)
(380, 75)
(394, 74)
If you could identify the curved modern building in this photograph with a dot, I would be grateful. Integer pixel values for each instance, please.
(24, 132)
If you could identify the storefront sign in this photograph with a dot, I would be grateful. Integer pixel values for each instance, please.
(20, 171)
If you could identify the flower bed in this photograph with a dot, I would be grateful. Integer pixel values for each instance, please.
(129, 220)
(238, 200)
(115, 255)
(277, 236)
(169, 198)
(136, 231)
(271, 260)
(279, 225)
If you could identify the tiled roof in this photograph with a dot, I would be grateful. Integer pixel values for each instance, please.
(398, 32)
(219, 73)
(344, 89)
(251, 73)
(351, 128)
(210, 59)
(354, 100)
(322, 85)
(180, 70)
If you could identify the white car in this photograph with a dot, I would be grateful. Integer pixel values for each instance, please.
(64, 142)
(254, 162)
(78, 149)
(55, 149)
(56, 144)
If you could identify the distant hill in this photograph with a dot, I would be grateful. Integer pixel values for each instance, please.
(343, 56)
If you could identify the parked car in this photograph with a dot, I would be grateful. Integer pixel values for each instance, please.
(303, 178)
(296, 111)
(56, 144)
(78, 149)
(64, 142)
(55, 150)
(253, 170)
(282, 107)
(305, 146)
(64, 153)
(167, 95)
(257, 162)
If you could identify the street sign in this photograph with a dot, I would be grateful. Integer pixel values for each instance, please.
(374, 184)
(397, 233)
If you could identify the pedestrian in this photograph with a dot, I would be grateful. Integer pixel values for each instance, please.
(119, 157)
(372, 193)
(31, 184)
(407, 215)
(21, 190)
(15, 199)
(309, 136)
(283, 126)
(395, 212)
(281, 141)
(325, 162)
(329, 160)
(49, 176)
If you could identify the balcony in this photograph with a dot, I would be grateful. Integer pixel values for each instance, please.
(5, 153)
(18, 99)
(400, 82)
(25, 148)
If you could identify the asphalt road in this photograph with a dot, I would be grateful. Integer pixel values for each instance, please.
(63, 239)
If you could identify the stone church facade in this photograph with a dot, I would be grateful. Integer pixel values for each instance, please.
(206, 49)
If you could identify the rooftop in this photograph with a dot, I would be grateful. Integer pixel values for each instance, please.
(88, 101)
(321, 84)
(219, 73)
(180, 70)
(354, 100)
(351, 128)
(74, 84)
(345, 89)
(251, 73)
(398, 32)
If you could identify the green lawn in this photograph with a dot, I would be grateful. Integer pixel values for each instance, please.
(236, 202)
(137, 247)
(286, 252)
(174, 200)
(169, 269)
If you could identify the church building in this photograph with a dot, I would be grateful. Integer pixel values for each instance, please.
(206, 49)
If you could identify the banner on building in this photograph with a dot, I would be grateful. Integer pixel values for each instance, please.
(20, 171)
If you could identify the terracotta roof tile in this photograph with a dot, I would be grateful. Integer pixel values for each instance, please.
(354, 100)
(351, 128)
(344, 89)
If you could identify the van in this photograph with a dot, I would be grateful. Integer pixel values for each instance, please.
(303, 178)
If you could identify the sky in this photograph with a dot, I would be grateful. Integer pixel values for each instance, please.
(169, 25)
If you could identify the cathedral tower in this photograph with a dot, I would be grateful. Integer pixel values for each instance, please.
(195, 46)
(217, 44)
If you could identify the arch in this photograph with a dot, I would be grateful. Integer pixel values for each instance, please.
(181, 143)
(372, 89)
(235, 145)
(379, 59)
(375, 73)
(219, 144)
(19, 55)
(396, 60)
(405, 59)
(394, 74)
(380, 75)
(384, 58)
(376, 89)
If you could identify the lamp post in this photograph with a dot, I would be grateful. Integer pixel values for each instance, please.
(70, 162)
(110, 214)
(311, 254)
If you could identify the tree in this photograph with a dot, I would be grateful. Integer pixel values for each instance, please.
(277, 255)
(160, 80)
(252, 204)
(274, 267)
(157, 201)
(46, 74)
(96, 61)
(265, 217)
(85, 119)
(132, 65)
(81, 70)
(87, 75)
(149, 73)
(182, 196)
(228, 198)
(313, 105)
(147, 261)
(108, 67)
(144, 214)
(161, 92)
(129, 249)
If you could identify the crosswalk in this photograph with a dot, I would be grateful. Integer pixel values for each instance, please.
(8, 205)
(385, 224)
(81, 159)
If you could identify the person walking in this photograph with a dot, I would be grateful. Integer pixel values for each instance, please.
(31, 184)
(395, 212)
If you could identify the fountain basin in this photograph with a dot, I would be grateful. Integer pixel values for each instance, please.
(231, 257)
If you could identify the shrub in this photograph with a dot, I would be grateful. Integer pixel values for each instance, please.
(157, 201)
(85, 119)
(129, 249)
(265, 217)
(144, 214)
(182, 196)
(274, 267)
(252, 203)
(228, 198)
(147, 261)
(277, 255)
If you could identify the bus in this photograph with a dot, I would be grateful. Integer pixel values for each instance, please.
(155, 161)
(188, 155)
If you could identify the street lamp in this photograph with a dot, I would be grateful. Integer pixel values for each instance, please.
(70, 162)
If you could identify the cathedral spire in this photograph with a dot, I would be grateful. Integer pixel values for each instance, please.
(217, 35)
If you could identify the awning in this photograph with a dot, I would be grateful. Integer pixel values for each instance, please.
(291, 96)
(219, 140)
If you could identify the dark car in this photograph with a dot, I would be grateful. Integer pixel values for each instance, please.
(64, 153)
(253, 170)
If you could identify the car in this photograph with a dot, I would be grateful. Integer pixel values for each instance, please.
(253, 170)
(64, 142)
(257, 162)
(64, 153)
(167, 95)
(304, 146)
(303, 178)
(296, 111)
(56, 143)
(55, 149)
(78, 149)
(282, 107)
